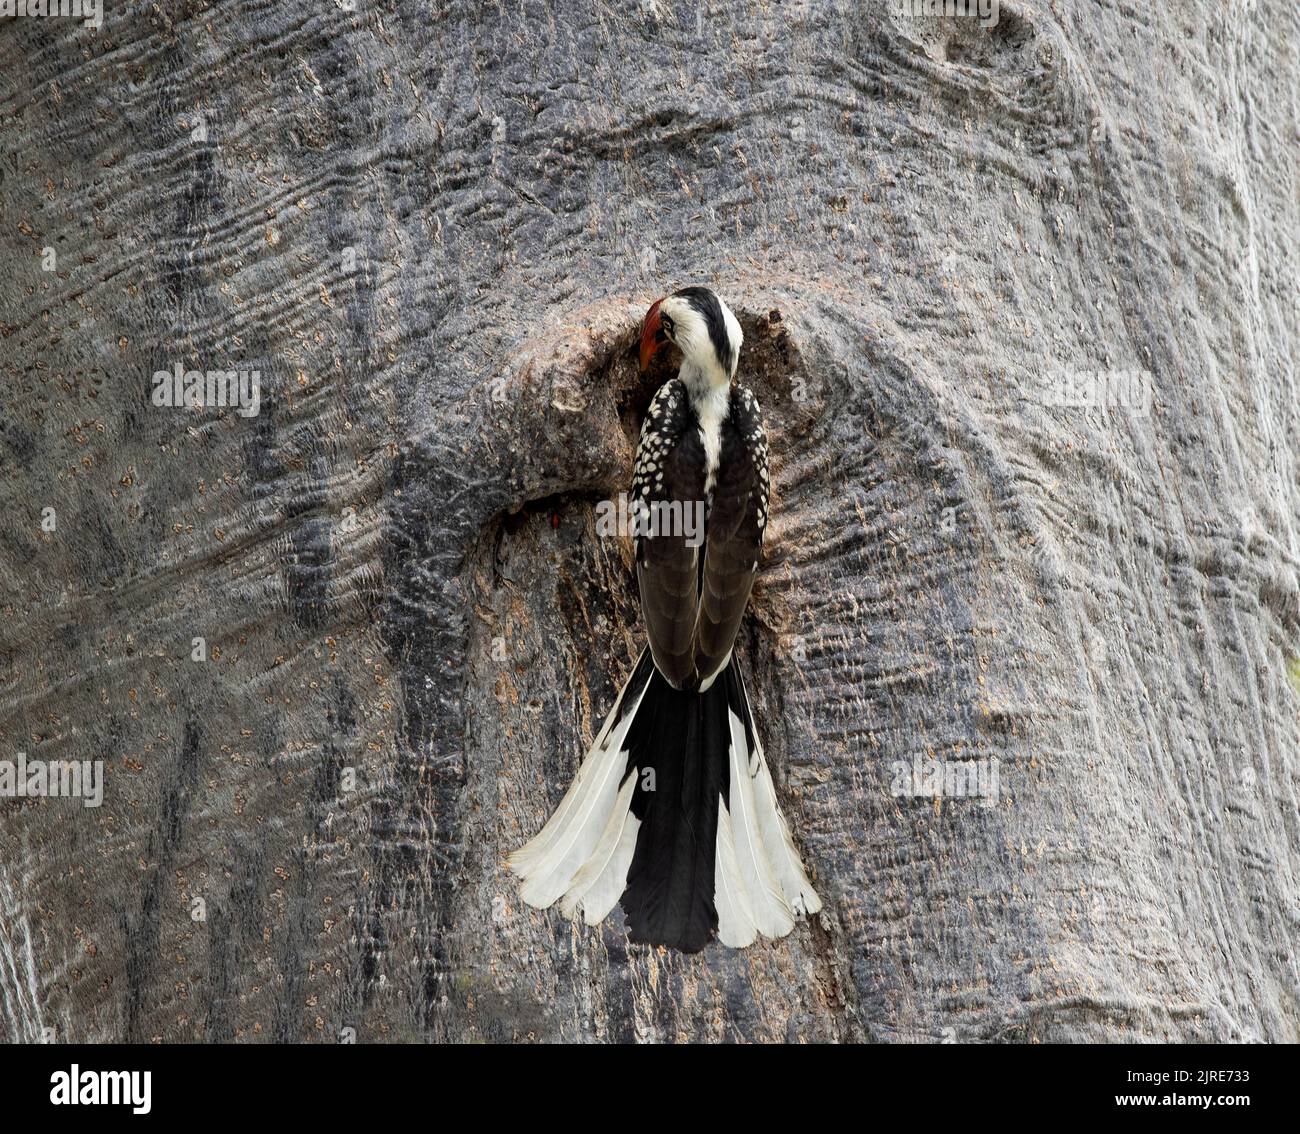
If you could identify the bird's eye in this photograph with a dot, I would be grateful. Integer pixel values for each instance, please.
(667, 324)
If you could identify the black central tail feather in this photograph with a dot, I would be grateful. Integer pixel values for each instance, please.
(683, 737)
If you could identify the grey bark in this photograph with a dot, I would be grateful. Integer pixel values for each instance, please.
(412, 627)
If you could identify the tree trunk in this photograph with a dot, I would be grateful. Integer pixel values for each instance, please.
(1020, 305)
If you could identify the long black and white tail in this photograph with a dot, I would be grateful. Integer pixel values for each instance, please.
(674, 811)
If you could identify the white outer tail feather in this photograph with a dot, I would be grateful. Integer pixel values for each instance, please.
(551, 861)
(760, 882)
(597, 887)
(735, 917)
(771, 913)
(775, 831)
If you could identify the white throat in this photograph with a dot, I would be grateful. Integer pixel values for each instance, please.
(707, 367)
(711, 406)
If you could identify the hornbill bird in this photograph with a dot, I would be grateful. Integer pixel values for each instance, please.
(673, 809)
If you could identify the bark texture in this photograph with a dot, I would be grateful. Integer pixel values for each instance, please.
(432, 230)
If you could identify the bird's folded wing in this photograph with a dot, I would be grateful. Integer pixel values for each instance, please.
(735, 535)
(667, 492)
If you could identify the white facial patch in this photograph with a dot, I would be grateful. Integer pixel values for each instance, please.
(701, 369)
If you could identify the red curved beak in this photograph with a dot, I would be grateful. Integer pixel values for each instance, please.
(652, 335)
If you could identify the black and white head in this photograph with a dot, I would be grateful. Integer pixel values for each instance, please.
(703, 328)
